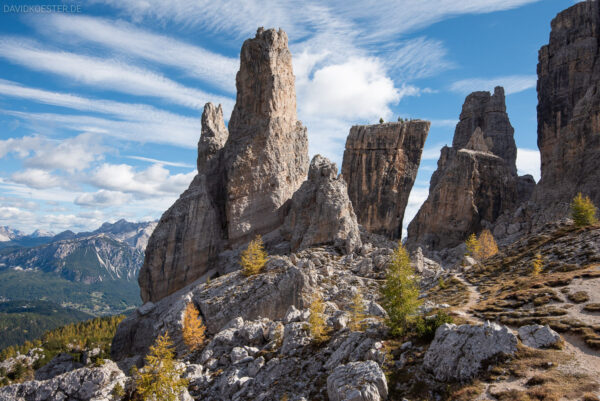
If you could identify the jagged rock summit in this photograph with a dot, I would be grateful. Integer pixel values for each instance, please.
(476, 179)
(251, 181)
(569, 111)
(380, 166)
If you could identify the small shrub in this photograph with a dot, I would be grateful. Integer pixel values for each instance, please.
(381, 121)
(442, 283)
(400, 292)
(160, 378)
(254, 258)
(357, 312)
(537, 265)
(427, 325)
(583, 211)
(118, 392)
(316, 320)
(193, 329)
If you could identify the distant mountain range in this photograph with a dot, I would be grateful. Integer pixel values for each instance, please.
(94, 273)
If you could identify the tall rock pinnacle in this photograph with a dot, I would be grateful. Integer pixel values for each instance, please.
(189, 235)
(380, 166)
(267, 152)
(246, 178)
(569, 111)
(476, 179)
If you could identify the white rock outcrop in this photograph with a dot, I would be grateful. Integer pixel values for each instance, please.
(357, 381)
(538, 336)
(457, 353)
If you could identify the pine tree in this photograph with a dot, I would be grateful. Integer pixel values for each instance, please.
(193, 328)
(357, 312)
(316, 320)
(160, 378)
(583, 211)
(473, 246)
(254, 258)
(400, 292)
(487, 245)
(381, 120)
(537, 264)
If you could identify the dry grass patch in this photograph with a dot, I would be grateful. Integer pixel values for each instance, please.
(592, 308)
(579, 297)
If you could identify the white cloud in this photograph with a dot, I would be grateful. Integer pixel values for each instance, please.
(71, 154)
(529, 162)
(181, 133)
(102, 198)
(107, 74)
(512, 84)
(378, 19)
(161, 162)
(193, 60)
(10, 213)
(356, 89)
(36, 178)
(155, 180)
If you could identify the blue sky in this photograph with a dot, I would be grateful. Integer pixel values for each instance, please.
(100, 101)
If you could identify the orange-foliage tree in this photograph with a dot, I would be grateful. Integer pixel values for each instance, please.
(193, 328)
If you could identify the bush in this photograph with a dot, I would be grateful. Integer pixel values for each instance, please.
(357, 312)
(316, 320)
(193, 329)
(427, 325)
(537, 265)
(254, 258)
(583, 211)
(400, 292)
(118, 392)
(160, 379)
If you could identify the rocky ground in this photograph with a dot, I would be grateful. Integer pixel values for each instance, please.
(259, 347)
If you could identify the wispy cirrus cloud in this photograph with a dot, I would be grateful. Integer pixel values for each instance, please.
(109, 74)
(512, 84)
(195, 61)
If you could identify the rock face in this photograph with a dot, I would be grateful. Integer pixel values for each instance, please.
(78, 385)
(380, 166)
(190, 234)
(245, 177)
(569, 111)
(457, 352)
(538, 336)
(476, 180)
(267, 151)
(320, 211)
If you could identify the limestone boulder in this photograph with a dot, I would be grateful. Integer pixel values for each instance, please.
(457, 353)
(538, 336)
(357, 381)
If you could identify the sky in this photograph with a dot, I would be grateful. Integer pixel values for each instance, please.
(100, 101)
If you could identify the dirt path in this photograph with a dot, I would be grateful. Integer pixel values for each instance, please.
(584, 359)
(474, 297)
